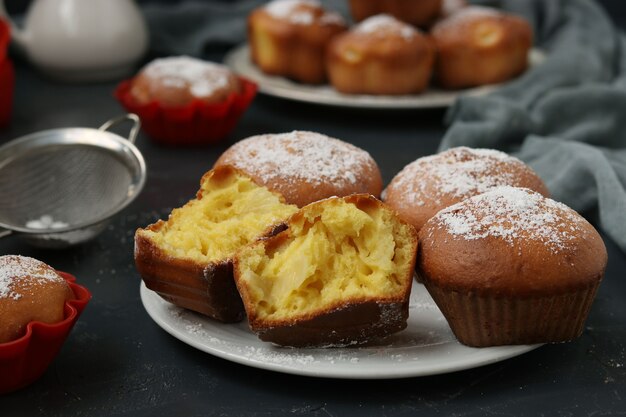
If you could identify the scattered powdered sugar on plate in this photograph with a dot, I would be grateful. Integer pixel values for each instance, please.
(384, 23)
(201, 77)
(294, 12)
(512, 214)
(458, 172)
(16, 267)
(299, 156)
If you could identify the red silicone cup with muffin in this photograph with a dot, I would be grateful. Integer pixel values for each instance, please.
(7, 76)
(24, 360)
(193, 124)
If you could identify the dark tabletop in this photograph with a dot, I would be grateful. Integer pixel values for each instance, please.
(117, 361)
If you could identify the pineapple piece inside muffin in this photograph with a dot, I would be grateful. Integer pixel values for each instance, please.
(340, 274)
(188, 258)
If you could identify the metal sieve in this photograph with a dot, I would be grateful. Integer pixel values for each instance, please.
(60, 187)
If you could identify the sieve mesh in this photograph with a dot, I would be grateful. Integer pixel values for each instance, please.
(72, 183)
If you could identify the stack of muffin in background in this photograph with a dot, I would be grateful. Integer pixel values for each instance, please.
(397, 46)
(7, 76)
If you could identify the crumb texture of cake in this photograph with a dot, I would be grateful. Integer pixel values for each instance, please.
(30, 290)
(188, 258)
(305, 166)
(510, 266)
(340, 274)
(177, 81)
(431, 183)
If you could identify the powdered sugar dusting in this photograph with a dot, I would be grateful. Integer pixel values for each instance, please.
(512, 214)
(458, 172)
(300, 156)
(300, 12)
(467, 14)
(385, 23)
(201, 77)
(16, 267)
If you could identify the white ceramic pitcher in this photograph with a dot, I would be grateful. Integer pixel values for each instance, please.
(82, 40)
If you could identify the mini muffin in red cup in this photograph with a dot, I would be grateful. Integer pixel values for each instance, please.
(39, 306)
(7, 76)
(184, 101)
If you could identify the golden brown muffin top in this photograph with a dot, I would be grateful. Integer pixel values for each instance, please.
(511, 240)
(302, 12)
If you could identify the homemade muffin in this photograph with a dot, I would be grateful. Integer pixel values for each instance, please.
(188, 258)
(289, 37)
(415, 12)
(339, 275)
(381, 55)
(434, 182)
(30, 291)
(177, 81)
(479, 45)
(511, 267)
(305, 166)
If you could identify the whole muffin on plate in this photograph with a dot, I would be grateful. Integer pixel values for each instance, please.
(479, 45)
(186, 101)
(435, 182)
(510, 267)
(305, 166)
(340, 274)
(381, 55)
(415, 12)
(289, 37)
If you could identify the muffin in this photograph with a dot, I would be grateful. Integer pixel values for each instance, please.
(305, 166)
(30, 290)
(510, 267)
(187, 259)
(339, 275)
(289, 37)
(186, 101)
(381, 55)
(479, 45)
(434, 182)
(415, 12)
(38, 306)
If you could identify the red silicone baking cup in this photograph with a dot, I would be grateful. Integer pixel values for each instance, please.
(5, 37)
(24, 360)
(197, 123)
(7, 82)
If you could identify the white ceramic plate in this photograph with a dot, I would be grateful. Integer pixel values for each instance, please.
(425, 347)
(239, 61)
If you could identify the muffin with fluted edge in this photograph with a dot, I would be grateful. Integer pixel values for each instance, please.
(510, 267)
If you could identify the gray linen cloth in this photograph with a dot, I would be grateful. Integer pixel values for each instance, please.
(566, 117)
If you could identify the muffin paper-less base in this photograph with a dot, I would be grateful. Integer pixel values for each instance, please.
(479, 320)
(197, 123)
(24, 360)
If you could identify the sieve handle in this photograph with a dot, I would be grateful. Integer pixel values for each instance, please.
(117, 120)
(5, 233)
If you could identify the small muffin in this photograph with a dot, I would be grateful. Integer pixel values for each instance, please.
(187, 259)
(289, 37)
(185, 101)
(381, 55)
(30, 291)
(305, 166)
(177, 81)
(510, 267)
(339, 275)
(479, 45)
(434, 182)
(415, 12)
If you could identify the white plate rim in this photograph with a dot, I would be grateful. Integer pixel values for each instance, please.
(238, 59)
(339, 364)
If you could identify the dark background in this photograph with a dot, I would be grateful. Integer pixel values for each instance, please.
(118, 362)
